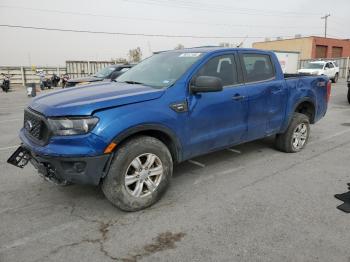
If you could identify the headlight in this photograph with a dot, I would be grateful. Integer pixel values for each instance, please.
(72, 126)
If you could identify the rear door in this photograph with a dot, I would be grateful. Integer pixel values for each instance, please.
(267, 95)
(218, 119)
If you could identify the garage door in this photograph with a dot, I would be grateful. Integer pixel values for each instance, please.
(321, 51)
(337, 51)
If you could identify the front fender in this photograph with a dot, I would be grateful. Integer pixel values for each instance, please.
(117, 124)
(150, 127)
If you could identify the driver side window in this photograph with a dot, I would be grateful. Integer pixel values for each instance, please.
(223, 67)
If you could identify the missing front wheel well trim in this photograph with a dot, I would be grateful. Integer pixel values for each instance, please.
(163, 137)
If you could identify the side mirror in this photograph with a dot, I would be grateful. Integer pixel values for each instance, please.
(204, 84)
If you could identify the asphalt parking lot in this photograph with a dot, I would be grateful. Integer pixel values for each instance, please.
(251, 203)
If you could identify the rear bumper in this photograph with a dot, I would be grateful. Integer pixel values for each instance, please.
(78, 170)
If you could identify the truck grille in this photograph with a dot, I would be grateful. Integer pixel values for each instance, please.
(35, 125)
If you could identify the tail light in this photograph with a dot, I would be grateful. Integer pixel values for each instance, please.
(329, 87)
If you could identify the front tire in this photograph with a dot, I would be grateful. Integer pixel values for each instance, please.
(296, 136)
(349, 95)
(139, 174)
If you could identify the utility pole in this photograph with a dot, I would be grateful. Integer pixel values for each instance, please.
(325, 24)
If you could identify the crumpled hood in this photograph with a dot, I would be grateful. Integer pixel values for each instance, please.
(85, 100)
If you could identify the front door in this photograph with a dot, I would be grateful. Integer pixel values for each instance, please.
(218, 119)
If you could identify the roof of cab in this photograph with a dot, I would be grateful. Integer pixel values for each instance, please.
(209, 49)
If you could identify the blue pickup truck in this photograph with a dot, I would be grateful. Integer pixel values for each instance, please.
(127, 135)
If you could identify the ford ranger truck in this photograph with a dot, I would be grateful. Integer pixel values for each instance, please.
(126, 135)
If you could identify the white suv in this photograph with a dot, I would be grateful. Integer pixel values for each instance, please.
(328, 68)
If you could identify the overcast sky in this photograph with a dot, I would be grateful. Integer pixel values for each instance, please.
(254, 19)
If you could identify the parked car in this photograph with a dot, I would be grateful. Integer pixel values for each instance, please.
(327, 68)
(171, 107)
(110, 72)
(5, 86)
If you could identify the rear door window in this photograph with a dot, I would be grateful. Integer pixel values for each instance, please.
(257, 67)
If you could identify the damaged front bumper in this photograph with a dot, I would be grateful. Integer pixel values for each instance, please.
(63, 170)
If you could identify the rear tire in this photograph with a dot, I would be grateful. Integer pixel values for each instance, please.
(349, 95)
(139, 175)
(296, 136)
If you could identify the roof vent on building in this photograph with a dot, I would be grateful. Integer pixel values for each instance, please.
(298, 36)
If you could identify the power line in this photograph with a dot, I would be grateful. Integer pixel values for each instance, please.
(192, 7)
(196, 4)
(148, 19)
(199, 6)
(129, 34)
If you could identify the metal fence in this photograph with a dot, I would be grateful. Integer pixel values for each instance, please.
(84, 68)
(21, 75)
(343, 63)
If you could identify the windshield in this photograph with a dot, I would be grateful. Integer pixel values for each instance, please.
(105, 72)
(160, 70)
(314, 66)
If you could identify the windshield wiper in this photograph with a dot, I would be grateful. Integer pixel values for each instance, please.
(132, 82)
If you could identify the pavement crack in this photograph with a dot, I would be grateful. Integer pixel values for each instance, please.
(162, 242)
(103, 229)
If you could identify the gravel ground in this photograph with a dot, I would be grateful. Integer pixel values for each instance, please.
(249, 204)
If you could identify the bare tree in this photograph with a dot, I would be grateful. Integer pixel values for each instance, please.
(135, 55)
(179, 46)
(228, 45)
(223, 44)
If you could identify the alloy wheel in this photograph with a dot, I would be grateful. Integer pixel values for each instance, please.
(299, 136)
(143, 175)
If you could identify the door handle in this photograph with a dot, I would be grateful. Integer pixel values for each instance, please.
(238, 97)
(276, 90)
